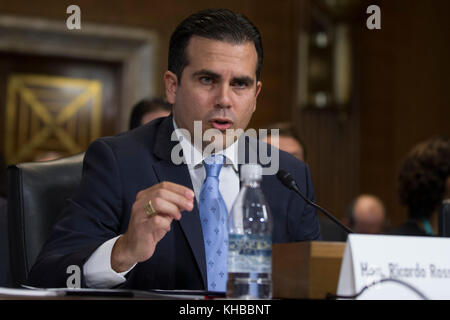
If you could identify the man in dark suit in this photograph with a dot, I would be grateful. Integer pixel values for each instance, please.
(134, 223)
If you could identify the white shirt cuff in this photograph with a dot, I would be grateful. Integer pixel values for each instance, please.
(97, 270)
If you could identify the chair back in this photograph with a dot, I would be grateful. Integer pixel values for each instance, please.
(37, 193)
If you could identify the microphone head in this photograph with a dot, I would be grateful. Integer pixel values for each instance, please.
(286, 178)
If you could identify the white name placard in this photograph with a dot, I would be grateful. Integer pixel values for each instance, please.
(395, 267)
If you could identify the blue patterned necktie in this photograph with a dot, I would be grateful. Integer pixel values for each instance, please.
(214, 217)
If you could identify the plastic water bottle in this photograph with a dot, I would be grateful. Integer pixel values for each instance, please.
(250, 240)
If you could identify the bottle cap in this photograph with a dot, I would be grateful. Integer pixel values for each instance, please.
(251, 171)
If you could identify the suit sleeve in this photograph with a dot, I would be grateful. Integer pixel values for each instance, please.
(92, 216)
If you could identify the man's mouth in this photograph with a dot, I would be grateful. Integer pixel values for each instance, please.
(221, 123)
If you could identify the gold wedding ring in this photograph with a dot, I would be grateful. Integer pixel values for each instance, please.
(149, 210)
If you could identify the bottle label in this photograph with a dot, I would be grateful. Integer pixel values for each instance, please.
(249, 253)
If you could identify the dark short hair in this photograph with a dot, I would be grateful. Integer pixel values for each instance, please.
(422, 177)
(146, 106)
(215, 24)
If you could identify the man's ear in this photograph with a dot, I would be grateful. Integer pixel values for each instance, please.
(171, 83)
(258, 90)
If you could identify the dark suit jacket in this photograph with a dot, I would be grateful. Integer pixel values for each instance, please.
(115, 169)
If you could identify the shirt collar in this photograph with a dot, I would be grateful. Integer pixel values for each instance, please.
(194, 156)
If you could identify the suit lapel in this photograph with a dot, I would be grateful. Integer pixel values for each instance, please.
(166, 170)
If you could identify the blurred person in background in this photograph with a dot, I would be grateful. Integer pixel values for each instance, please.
(424, 182)
(148, 110)
(367, 214)
(288, 140)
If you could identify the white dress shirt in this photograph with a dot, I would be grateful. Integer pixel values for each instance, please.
(97, 270)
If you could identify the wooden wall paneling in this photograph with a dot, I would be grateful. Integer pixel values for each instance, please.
(332, 140)
(333, 156)
(273, 18)
(404, 91)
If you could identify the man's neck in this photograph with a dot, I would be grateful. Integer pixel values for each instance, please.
(196, 150)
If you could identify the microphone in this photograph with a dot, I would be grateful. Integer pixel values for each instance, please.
(286, 179)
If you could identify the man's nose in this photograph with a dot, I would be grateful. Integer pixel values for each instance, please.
(223, 96)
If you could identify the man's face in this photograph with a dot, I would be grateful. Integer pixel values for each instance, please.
(218, 86)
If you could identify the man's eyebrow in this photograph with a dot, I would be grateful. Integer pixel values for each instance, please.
(250, 81)
(205, 72)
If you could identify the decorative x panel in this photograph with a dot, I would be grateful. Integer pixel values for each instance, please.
(50, 113)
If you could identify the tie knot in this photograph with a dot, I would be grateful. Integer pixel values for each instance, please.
(213, 164)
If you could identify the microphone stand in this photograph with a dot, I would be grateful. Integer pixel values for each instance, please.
(325, 212)
(289, 182)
